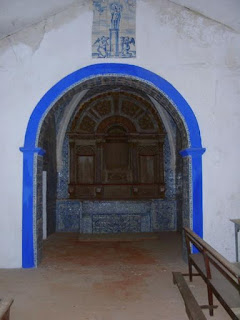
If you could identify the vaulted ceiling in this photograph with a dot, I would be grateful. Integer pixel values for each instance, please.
(116, 108)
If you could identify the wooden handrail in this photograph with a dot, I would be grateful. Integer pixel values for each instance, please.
(195, 239)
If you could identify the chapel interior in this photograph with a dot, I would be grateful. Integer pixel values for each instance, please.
(119, 137)
(118, 169)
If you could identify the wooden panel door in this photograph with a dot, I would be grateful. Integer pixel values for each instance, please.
(147, 169)
(85, 169)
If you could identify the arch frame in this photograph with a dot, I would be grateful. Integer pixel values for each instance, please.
(30, 150)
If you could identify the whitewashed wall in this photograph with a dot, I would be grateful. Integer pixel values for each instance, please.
(198, 56)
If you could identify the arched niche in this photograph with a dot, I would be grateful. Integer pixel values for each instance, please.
(91, 77)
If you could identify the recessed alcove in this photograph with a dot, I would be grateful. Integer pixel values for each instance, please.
(114, 143)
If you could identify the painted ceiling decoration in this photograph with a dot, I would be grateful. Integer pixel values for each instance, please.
(113, 106)
(114, 28)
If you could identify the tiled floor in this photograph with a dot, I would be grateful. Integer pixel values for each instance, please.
(103, 279)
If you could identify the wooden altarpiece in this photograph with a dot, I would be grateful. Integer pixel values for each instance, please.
(116, 150)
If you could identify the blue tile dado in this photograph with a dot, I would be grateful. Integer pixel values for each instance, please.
(111, 207)
(68, 216)
(146, 224)
(116, 223)
(164, 215)
(116, 216)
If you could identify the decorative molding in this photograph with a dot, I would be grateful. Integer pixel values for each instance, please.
(85, 150)
(114, 120)
(39, 151)
(193, 152)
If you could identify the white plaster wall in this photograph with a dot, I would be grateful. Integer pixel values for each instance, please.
(226, 12)
(198, 56)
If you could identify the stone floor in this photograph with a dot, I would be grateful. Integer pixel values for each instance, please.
(103, 279)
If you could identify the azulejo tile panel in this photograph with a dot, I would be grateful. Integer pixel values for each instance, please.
(62, 186)
(169, 172)
(116, 223)
(68, 216)
(116, 207)
(113, 30)
(116, 216)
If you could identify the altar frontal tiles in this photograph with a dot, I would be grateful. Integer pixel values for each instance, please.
(114, 28)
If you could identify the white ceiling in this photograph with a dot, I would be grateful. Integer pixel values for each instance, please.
(18, 14)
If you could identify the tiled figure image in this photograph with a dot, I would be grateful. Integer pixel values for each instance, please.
(113, 32)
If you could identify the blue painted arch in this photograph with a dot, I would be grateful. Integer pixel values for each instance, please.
(30, 148)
